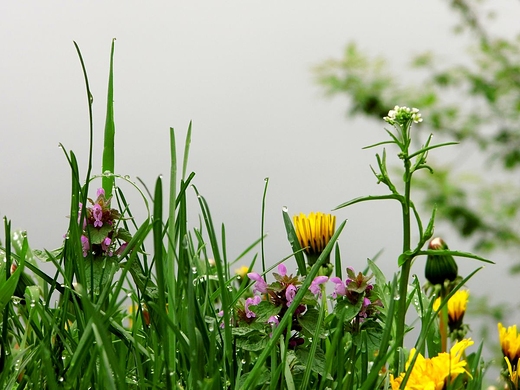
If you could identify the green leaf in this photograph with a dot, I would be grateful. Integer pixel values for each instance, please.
(295, 244)
(308, 322)
(97, 235)
(346, 310)
(110, 130)
(317, 363)
(264, 310)
(254, 341)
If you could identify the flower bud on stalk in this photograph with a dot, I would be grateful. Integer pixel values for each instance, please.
(314, 233)
(442, 267)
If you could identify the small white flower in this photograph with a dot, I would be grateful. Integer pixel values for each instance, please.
(401, 115)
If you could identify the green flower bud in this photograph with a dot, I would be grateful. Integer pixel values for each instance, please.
(442, 267)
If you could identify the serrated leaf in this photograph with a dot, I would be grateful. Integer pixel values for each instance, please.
(98, 235)
(45, 255)
(317, 361)
(264, 310)
(346, 310)
(253, 342)
(123, 234)
(308, 322)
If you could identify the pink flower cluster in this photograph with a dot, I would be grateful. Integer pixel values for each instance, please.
(99, 228)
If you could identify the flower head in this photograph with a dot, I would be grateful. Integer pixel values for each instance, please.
(242, 271)
(403, 115)
(290, 293)
(260, 284)
(510, 343)
(456, 308)
(315, 285)
(432, 374)
(314, 233)
(513, 374)
(251, 302)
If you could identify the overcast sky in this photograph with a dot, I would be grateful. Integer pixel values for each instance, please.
(242, 72)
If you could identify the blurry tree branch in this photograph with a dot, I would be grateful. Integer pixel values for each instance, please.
(476, 101)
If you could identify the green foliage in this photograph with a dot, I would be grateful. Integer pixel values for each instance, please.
(153, 304)
(476, 101)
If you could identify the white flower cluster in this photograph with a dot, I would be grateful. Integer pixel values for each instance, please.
(401, 115)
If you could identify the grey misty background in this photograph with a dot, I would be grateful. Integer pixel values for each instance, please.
(242, 72)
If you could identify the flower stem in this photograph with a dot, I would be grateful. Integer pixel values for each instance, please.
(405, 269)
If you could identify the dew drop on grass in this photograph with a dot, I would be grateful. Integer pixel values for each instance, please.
(127, 177)
(243, 361)
(107, 173)
(285, 209)
(61, 379)
(397, 297)
(194, 270)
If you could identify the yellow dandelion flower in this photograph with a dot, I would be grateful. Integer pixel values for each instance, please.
(314, 232)
(513, 373)
(242, 271)
(432, 374)
(510, 343)
(456, 307)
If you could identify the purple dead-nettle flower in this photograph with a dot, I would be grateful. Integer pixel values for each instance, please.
(251, 302)
(260, 285)
(85, 245)
(100, 192)
(105, 245)
(273, 320)
(282, 269)
(315, 285)
(340, 287)
(121, 248)
(97, 212)
(290, 293)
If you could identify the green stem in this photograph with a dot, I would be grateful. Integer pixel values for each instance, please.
(405, 269)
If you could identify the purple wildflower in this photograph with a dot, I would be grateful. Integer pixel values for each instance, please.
(282, 269)
(273, 320)
(260, 285)
(105, 245)
(100, 192)
(252, 302)
(85, 245)
(290, 293)
(97, 212)
(340, 287)
(315, 285)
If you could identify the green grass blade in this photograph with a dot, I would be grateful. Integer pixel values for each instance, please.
(110, 132)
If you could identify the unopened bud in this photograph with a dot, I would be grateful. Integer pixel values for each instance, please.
(442, 267)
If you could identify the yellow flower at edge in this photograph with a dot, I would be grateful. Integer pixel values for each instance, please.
(432, 374)
(242, 271)
(456, 307)
(513, 373)
(510, 343)
(314, 231)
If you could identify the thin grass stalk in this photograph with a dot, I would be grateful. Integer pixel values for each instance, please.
(262, 225)
(108, 164)
(228, 352)
(171, 237)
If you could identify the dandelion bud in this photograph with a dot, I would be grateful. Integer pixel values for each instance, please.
(440, 267)
(314, 233)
